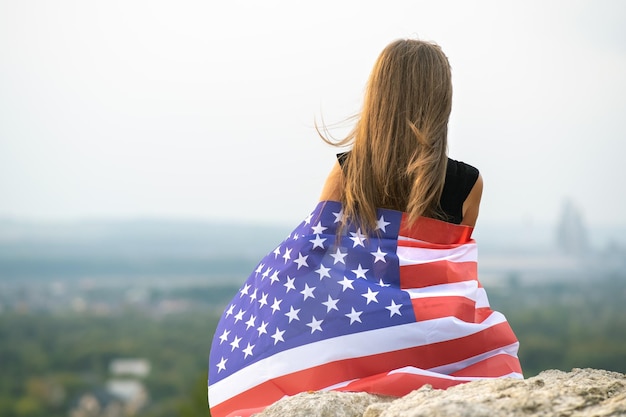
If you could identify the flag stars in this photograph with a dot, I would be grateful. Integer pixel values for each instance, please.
(323, 272)
(278, 336)
(261, 266)
(244, 290)
(360, 272)
(318, 242)
(253, 295)
(331, 304)
(338, 216)
(262, 329)
(276, 253)
(370, 295)
(338, 256)
(263, 300)
(224, 336)
(235, 343)
(308, 219)
(276, 305)
(239, 315)
(318, 229)
(301, 261)
(287, 254)
(382, 283)
(221, 366)
(250, 322)
(358, 238)
(394, 309)
(354, 316)
(266, 273)
(289, 284)
(381, 224)
(248, 350)
(292, 314)
(274, 278)
(307, 291)
(315, 325)
(346, 283)
(379, 255)
(230, 310)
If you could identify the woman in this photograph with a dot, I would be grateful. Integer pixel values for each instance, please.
(398, 159)
(377, 289)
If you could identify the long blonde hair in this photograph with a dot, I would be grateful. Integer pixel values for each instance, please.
(399, 142)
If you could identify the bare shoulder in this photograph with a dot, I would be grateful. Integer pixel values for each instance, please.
(471, 205)
(334, 184)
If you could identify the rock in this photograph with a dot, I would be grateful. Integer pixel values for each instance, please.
(579, 393)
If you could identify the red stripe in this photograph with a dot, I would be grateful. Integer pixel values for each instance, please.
(437, 273)
(435, 231)
(438, 307)
(398, 384)
(425, 357)
(495, 366)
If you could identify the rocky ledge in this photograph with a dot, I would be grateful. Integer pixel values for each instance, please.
(579, 393)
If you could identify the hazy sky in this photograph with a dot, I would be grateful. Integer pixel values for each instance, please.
(205, 109)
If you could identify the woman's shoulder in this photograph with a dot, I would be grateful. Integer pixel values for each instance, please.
(460, 179)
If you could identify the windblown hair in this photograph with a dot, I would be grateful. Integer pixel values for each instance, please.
(399, 142)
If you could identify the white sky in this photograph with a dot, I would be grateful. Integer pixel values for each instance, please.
(205, 109)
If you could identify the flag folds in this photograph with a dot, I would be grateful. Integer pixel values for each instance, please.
(382, 313)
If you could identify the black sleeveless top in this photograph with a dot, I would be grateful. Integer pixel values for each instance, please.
(460, 179)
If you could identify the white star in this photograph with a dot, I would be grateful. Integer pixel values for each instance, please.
(338, 256)
(308, 219)
(360, 272)
(239, 316)
(354, 316)
(301, 261)
(274, 278)
(248, 351)
(278, 336)
(346, 283)
(315, 325)
(262, 328)
(379, 255)
(266, 273)
(382, 283)
(244, 290)
(338, 216)
(293, 314)
(224, 336)
(381, 224)
(394, 309)
(287, 254)
(317, 242)
(250, 322)
(253, 295)
(230, 310)
(307, 291)
(276, 305)
(289, 284)
(323, 271)
(260, 268)
(370, 295)
(235, 343)
(331, 304)
(263, 300)
(319, 229)
(221, 366)
(276, 253)
(358, 238)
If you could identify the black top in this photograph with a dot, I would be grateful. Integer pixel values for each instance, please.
(460, 179)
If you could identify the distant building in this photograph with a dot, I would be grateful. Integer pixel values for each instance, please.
(130, 367)
(571, 233)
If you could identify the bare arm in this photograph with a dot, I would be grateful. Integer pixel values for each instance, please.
(334, 184)
(472, 203)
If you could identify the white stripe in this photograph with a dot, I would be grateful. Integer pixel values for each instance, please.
(467, 289)
(481, 298)
(352, 346)
(417, 371)
(408, 255)
(451, 368)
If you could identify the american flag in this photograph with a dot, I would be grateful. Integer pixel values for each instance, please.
(382, 313)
